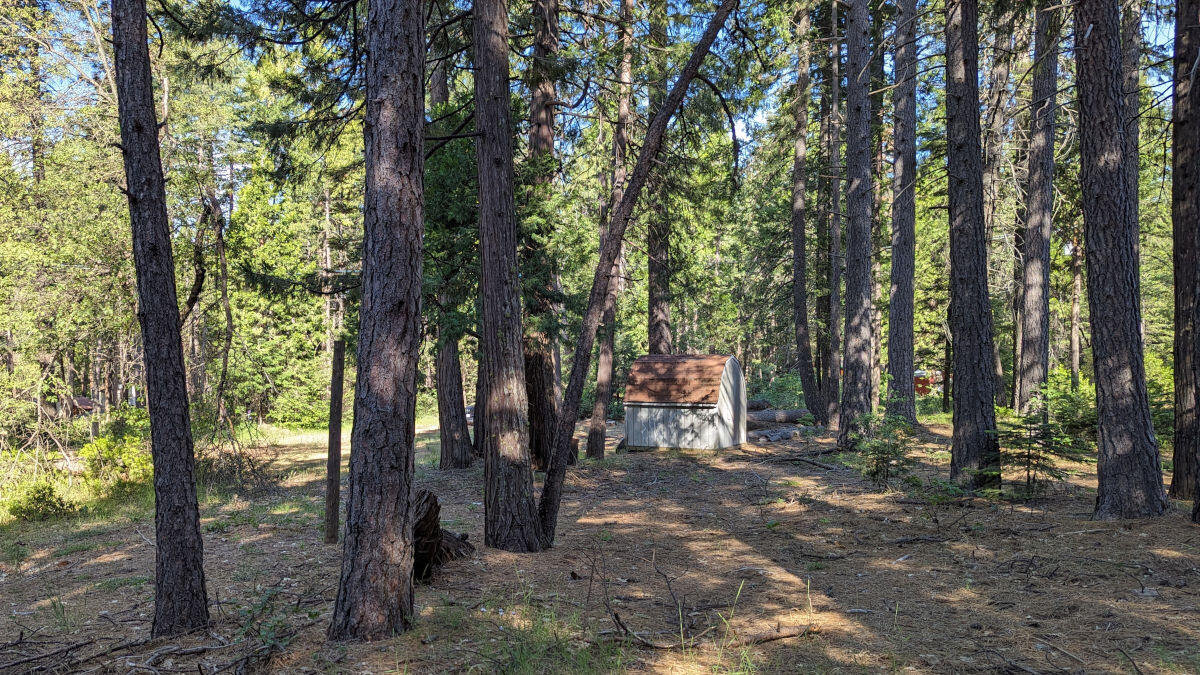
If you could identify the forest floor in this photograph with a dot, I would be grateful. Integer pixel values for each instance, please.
(665, 562)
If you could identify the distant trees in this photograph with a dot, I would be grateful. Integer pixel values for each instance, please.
(180, 599)
(1130, 478)
(975, 453)
(375, 590)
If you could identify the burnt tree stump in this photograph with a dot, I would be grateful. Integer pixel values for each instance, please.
(432, 545)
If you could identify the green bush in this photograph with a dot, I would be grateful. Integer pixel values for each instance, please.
(885, 447)
(122, 459)
(126, 420)
(39, 501)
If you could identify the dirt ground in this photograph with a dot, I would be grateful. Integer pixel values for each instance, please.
(665, 562)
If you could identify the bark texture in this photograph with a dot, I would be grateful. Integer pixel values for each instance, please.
(1034, 352)
(975, 453)
(856, 382)
(510, 515)
(180, 599)
(618, 222)
(375, 592)
(658, 230)
(1185, 215)
(1130, 479)
(833, 347)
(901, 398)
(541, 382)
(813, 396)
(333, 458)
(455, 435)
(598, 428)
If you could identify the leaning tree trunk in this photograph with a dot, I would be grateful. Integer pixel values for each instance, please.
(1130, 478)
(180, 600)
(804, 358)
(375, 591)
(1034, 352)
(658, 230)
(510, 515)
(598, 429)
(618, 222)
(538, 272)
(1185, 214)
(975, 453)
(901, 399)
(856, 382)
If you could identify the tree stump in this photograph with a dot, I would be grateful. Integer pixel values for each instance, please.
(432, 545)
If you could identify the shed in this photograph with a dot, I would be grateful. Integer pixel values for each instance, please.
(685, 401)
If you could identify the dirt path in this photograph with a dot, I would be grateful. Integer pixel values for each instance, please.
(697, 549)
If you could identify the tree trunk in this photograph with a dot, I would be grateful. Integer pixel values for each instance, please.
(180, 600)
(333, 460)
(598, 429)
(375, 591)
(833, 353)
(455, 436)
(538, 271)
(804, 358)
(510, 515)
(975, 453)
(1076, 317)
(580, 364)
(856, 382)
(480, 419)
(1130, 478)
(1039, 212)
(1185, 215)
(658, 230)
(901, 397)
(1131, 60)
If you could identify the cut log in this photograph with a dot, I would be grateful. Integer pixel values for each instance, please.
(433, 546)
(777, 415)
(758, 404)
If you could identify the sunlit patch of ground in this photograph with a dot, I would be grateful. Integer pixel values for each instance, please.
(695, 552)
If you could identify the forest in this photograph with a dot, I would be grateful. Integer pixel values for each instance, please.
(599, 336)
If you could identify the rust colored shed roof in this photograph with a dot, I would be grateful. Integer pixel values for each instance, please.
(675, 379)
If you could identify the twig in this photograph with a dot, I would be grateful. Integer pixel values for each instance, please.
(777, 634)
(39, 657)
(1131, 661)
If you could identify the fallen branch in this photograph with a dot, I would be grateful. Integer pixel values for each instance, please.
(38, 657)
(777, 634)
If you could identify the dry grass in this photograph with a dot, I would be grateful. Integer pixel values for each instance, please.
(695, 549)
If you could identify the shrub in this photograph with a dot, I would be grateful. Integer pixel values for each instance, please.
(783, 391)
(39, 501)
(126, 420)
(122, 459)
(885, 446)
(1033, 443)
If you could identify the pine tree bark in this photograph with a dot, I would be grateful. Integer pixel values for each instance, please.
(510, 515)
(856, 382)
(333, 456)
(540, 380)
(1130, 478)
(1034, 365)
(1185, 216)
(804, 358)
(975, 453)
(658, 230)
(1076, 347)
(618, 222)
(180, 599)
(833, 348)
(598, 428)
(901, 400)
(375, 591)
(455, 436)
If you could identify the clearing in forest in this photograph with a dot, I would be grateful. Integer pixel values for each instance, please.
(665, 562)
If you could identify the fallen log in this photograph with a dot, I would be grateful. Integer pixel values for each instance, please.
(432, 545)
(758, 404)
(794, 415)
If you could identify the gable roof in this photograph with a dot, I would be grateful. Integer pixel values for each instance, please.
(676, 379)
